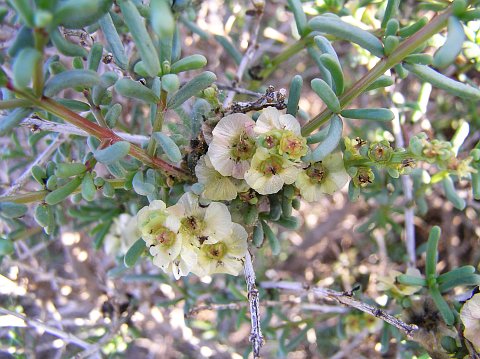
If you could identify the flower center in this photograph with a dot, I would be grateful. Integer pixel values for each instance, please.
(243, 148)
(192, 225)
(215, 251)
(293, 145)
(271, 166)
(165, 237)
(317, 172)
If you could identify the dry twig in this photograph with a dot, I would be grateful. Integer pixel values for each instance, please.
(256, 337)
(345, 298)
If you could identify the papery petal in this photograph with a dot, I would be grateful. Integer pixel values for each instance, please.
(268, 120)
(218, 220)
(288, 122)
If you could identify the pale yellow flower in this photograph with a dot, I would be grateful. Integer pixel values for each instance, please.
(281, 134)
(122, 235)
(470, 316)
(217, 187)
(233, 145)
(389, 282)
(269, 172)
(198, 223)
(225, 255)
(324, 177)
(271, 119)
(159, 229)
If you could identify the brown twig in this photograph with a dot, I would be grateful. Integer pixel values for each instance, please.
(345, 298)
(271, 98)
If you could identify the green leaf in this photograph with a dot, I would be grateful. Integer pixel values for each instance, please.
(71, 79)
(449, 51)
(453, 87)
(299, 15)
(294, 95)
(330, 143)
(142, 40)
(112, 153)
(333, 66)
(11, 120)
(134, 89)
(94, 56)
(24, 66)
(114, 42)
(76, 14)
(382, 81)
(346, 31)
(192, 88)
(168, 146)
(12, 210)
(373, 114)
(140, 186)
(192, 62)
(88, 187)
(272, 239)
(442, 306)
(432, 253)
(42, 215)
(323, 90)
(65, 47)
(6, 247)
(411, 280)
(113, 114)
(63, 192)
(134, 253)
(65, 170)
(161, 18)
(466, 280)
(413, 28)
(452, 195)
(258, 235)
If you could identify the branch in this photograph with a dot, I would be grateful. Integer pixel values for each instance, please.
(345, 298)
(104, 134)
(271, 98)
(403, 50)
(36, 124)
(256, 337)
(247, 57)
(67, 337)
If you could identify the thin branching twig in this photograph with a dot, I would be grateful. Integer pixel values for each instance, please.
(345, 298)
(67, 337)
(36, 124)
(248, 56)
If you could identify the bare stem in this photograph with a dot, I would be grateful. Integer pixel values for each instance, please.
(37, 124)
(158, 122)
(248, 56)
(256, 337)
(345, 298)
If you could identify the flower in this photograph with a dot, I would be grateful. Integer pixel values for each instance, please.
(197, 223)
(281, 134)
(271, 119)
(233, 145)
(122, 234)
(269, 172)
(389, 282)
(159, 229)
(217, 187)
(225, 255)
(470, 316)
(363, 177)
(324, 177)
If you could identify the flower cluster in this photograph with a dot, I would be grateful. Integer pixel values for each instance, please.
(189, 237)
(264, 156)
